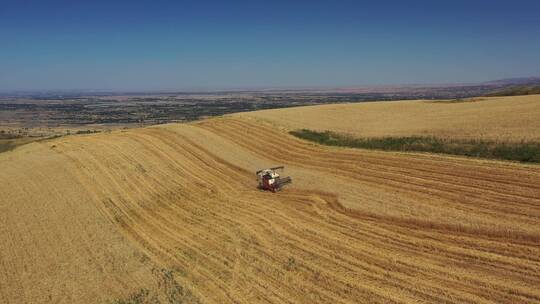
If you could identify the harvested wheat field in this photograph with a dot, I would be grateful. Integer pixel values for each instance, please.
(171, 214)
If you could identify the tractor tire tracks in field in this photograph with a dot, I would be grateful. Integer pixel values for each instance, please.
(182, 200)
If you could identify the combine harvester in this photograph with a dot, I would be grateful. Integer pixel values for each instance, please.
(270, 180)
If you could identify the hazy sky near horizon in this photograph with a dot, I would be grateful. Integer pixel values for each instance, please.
(159, 45)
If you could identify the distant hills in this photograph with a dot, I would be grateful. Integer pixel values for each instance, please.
(515, 81)
(366, 92)
(516, 90)
(514, 86)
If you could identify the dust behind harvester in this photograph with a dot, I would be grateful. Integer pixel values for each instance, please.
(270, 180)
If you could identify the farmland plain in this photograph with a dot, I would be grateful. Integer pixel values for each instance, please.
(171, 213)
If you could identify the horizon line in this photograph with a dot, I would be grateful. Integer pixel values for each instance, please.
(196, 89)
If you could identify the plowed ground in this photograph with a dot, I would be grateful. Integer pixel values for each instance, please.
(172, 214)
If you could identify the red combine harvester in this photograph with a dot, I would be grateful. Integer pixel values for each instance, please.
(270, 180)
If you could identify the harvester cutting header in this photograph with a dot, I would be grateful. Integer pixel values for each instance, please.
(270, 180)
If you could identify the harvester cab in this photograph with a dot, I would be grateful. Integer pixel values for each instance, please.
(270, 180)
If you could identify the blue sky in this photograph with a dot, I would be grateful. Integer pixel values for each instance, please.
(157, 45)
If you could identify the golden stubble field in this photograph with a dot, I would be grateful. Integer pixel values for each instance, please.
(171, 214)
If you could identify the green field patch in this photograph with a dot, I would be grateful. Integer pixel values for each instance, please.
(518, 151)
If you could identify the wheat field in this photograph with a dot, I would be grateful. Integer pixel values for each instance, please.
(506, 119)
(171, 214)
